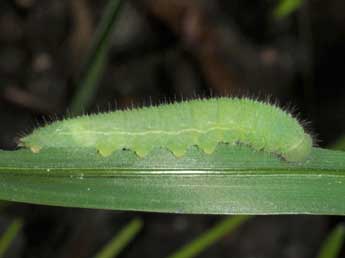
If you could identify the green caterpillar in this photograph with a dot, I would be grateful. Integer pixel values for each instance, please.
(202, 122)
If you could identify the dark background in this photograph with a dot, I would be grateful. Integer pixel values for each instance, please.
(164, 50)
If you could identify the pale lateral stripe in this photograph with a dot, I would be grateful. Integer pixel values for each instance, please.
(151, 132)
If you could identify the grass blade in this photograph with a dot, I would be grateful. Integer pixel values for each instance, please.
(9, 235)
(332, 245)
(96, 60)
(339, 144)
(223, 228)
(286, 7)
(121, 240)
(233, 180)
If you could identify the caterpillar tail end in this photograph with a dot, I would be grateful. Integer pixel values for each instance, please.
(300, 151)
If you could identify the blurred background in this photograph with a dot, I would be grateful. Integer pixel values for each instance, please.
(155, 51)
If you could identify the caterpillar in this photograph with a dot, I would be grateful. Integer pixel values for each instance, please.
(176, 126)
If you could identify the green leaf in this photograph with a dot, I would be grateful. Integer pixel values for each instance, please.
(9, 235)
(286, 7)
(96, 59)
(233, 180)
(332, 245)
(121, 240)
(223, 228)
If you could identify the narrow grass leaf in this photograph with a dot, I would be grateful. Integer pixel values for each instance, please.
(286, 7)
(121, 240)
(232, 180)
(333, 243)
(225, 227)
(96, 59)
(339, 144)
(9, 235)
